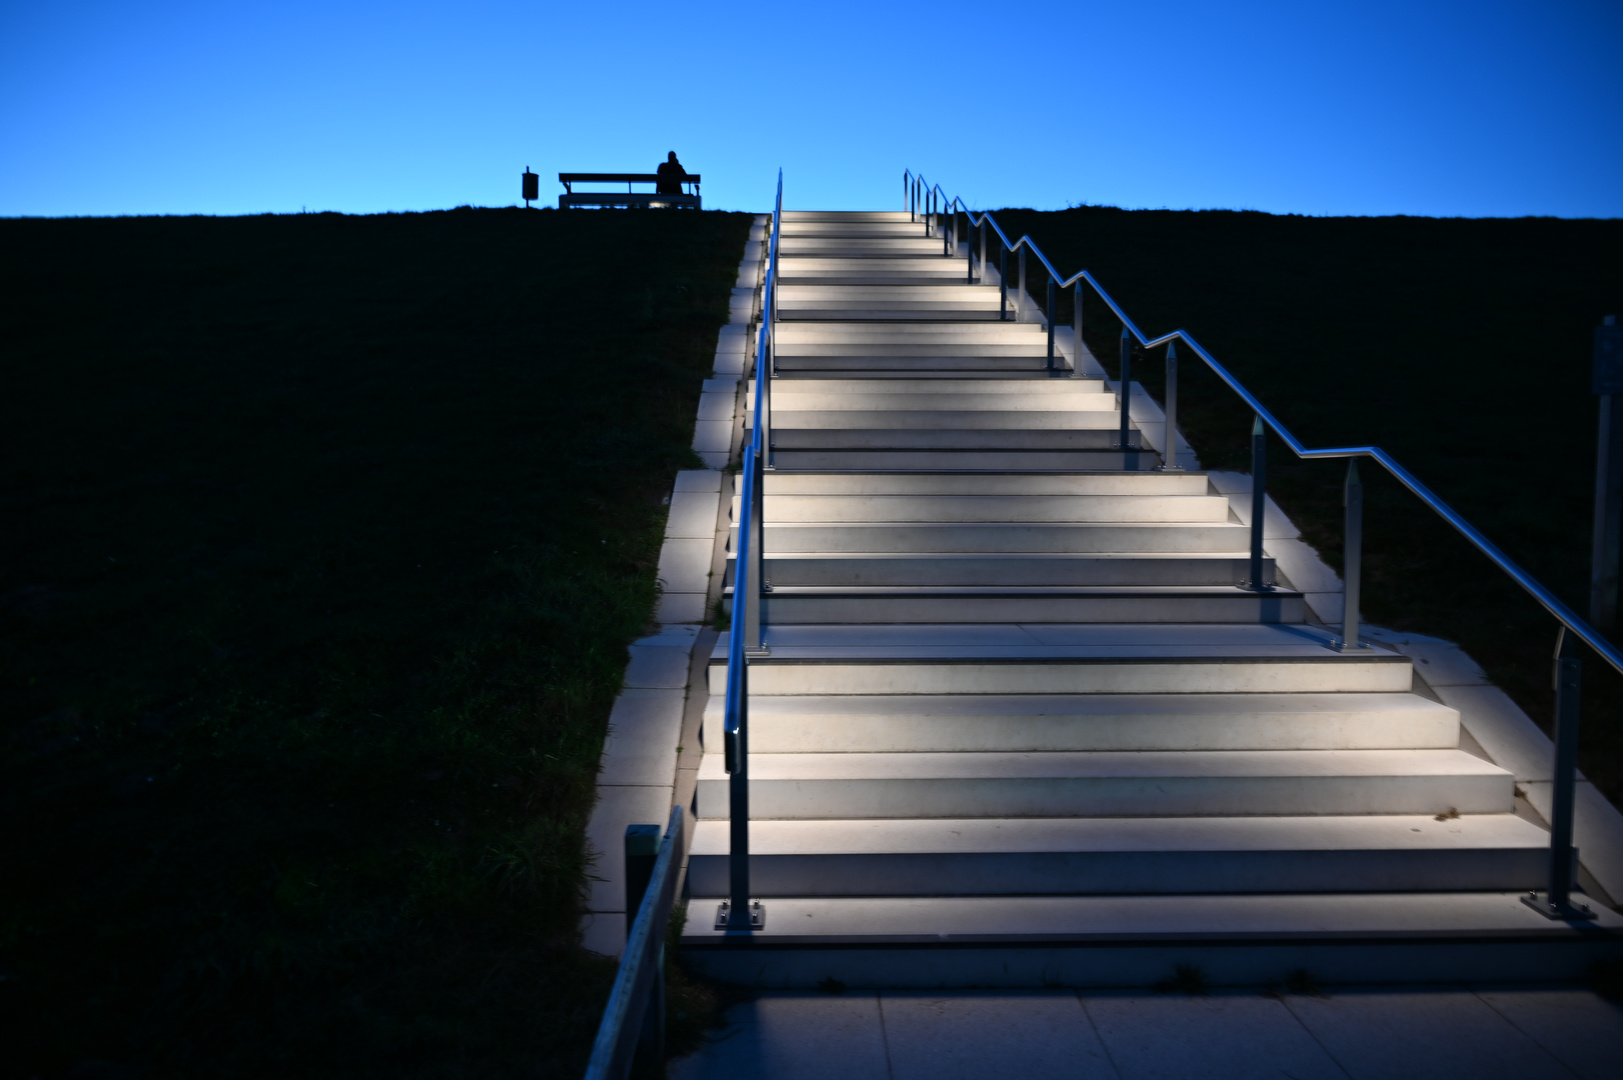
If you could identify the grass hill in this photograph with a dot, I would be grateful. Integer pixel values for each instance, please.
(325, 536)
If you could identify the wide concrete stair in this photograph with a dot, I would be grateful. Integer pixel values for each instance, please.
(1022, 720)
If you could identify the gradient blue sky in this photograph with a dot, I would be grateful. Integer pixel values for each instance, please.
(1438, 107)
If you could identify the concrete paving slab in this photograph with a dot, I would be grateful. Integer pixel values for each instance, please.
(1505, 733)
(1302, 565)
(1016, 1034)
(644, 728)
(1421, 1035)
(712, 435)
(1327, 606)
(717, 406)
(658, 666)
(1225, 1035)
(1441, 663)
(693, 515)
(604, 932)
(723, 385)
(684, 565)
(671, 636)
(795, 1036)
(680, 607)
(1276, 525)
(698, 480)
(1597, 830)
(1572, 1025)
(618, 806)
(715, 459)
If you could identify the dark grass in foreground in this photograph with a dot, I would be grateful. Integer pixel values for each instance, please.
(325, 536)
(1460, 346)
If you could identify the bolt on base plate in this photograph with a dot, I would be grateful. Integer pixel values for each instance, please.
(1566, 912)
(757, 915)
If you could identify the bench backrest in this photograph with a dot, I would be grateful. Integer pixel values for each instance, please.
(569, 178)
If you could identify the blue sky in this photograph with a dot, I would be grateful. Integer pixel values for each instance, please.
(1437, 107)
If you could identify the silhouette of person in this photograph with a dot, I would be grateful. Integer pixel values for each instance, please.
(671, 174)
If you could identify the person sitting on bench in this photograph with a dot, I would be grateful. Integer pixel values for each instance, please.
(671, 174)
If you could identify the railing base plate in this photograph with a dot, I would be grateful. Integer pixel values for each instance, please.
(1563, 912)
(757, 916)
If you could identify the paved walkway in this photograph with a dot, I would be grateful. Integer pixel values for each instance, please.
(1400, 1034)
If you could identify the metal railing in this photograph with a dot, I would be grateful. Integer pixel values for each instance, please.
(941, 213)
(636, 1011)
(738, 913)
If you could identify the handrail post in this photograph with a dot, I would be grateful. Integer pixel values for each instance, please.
(948, 224)
(1003, 280)
(1557, 903)
(1123, 441)
(1020, 297)
(969, 249)
(983, 249)
(1051, 288)
(1169, 449)
(1076, 333)
(1352, 560)
(1259, 502)
(735, 914)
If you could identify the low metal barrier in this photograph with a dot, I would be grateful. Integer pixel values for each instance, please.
(940, 215)
(635, 1016)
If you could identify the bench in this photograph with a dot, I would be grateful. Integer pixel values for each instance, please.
(628, 198)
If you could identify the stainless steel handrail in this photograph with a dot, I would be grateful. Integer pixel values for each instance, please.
(744, 637)
(1556, 903)
(1548, 600)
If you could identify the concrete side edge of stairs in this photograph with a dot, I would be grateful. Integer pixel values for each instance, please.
(651, 754)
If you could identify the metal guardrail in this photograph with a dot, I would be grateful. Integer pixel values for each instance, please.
(738, 913)
(640, 985)
(940, 214)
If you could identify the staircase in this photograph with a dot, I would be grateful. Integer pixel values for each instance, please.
(1020, 724)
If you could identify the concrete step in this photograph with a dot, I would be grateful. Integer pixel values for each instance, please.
(844, 605)
(992, 509)
(985, 483)
(927, 387)
(876, 353)
(1076, 658)
(911, 333)
(969, 365)
(1083, 412)
(878, 271)
(847, 227)
(869, 296)
(951, 458)
(986, 537)
(1136, 784)
(1125, 856)
(785, 569)
(1010, 723)
(1076, 437)
(1049, 396)
(1134, 942)
(811, 314)
(796, 216)
(847, 246)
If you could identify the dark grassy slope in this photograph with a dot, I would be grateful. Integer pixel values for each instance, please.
(1461, 346)
(324, 539)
